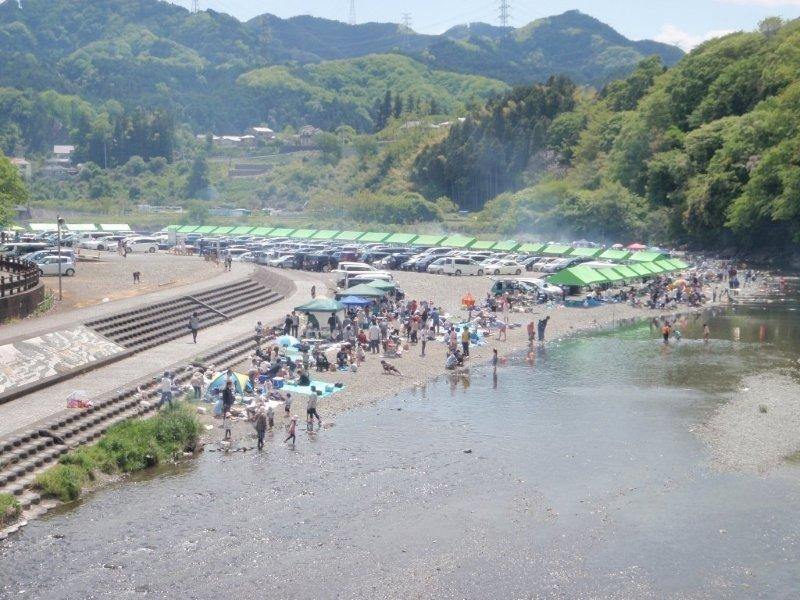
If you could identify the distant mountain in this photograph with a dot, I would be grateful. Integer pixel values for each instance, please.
(156, 55)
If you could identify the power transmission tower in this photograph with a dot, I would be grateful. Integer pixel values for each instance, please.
(352, 19)
(195, 6)
(406, 29)
(504, 14)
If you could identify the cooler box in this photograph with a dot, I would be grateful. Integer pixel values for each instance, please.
(277, 383)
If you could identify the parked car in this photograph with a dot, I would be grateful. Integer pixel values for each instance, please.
(49, 265)
(286, 261)
(40, 254)
(142, 244)
(502, 267)
(460, 265)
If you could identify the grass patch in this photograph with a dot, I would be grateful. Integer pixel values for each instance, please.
(10, 509)
(762, 408)
(127, 447)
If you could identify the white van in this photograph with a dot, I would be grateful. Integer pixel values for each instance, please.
(456, 265)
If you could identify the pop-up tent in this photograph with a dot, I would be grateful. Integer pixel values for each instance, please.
(241, 383)
(365, 290)
(321, 305)
(355, 301)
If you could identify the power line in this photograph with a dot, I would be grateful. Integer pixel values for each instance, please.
(504, 14)
(195, 6)
(407, 20)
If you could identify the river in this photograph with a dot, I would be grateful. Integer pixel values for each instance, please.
(579, 474)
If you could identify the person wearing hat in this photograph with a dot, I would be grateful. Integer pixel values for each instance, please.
(261, 427)
(166, 389)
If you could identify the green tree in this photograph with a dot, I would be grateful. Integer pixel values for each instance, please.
(329, 146)
(198, 180)
(13, 190)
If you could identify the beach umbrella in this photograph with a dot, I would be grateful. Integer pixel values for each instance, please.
(355, 301)
(617, 246)
(287, 340)
(636, 246)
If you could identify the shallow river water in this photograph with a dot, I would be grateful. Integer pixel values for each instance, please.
(576, 475)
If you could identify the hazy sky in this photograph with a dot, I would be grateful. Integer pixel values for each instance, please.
(681, 22)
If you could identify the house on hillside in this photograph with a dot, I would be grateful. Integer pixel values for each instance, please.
(262, 133)
(59, 165)
(24, 168)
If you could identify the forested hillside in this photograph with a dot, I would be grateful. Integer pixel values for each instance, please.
(704, 153)
(214, 73)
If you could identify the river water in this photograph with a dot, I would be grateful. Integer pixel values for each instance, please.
(577, 475)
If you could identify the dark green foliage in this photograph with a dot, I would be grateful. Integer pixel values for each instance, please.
(488, 153)
(128, 446)
(10, 509)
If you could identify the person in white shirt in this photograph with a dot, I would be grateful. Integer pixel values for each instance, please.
(166, 389)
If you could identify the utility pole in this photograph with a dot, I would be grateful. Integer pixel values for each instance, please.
(352, 19)
(504, 15)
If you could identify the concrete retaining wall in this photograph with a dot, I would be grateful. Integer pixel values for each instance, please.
(22, 304)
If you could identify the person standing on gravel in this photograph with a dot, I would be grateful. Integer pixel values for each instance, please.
(261, 427)
(311, 411)
(295, 323)
(166, 389)
(194, 325)
(374, 337)
(259, 333)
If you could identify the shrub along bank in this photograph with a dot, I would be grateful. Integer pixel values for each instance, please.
(126, 447)
(10, 509)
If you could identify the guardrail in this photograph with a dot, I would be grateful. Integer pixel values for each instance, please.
(17, 275)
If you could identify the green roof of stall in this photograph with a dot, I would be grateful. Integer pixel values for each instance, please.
(374, 236)
(666, 265)
(614, 254)
(223, 230)
(242, 230)
(261, 231)
(644, 256)
(172, 227)
(586, 252)
(578, 275)
(676, 262)
(429, 240)
(640, 269)
(303, 234)
(349, 236)
(506, 246)
(610, 273)
(482, 245)
(281, 232)
(206, 228)
(656, 268)
(457, 241)
(626, 271)
(401, 238)
(530, 247)
(325, 234)
(557, 249)
(186, 228)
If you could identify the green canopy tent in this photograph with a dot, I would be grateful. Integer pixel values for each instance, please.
(227, 229)
(457, 241)
(531, 247)
(242, 230)
(261, 231)
(115, 227)
(556, 250)
(401, 238)
(321, 305)
(677, 263)
(429, 240)
(281, 232)
(364, 290)
(653, 267)
(205, 229)
(641, 270)
(383, 285)
(373, 236)
(614, 254)
(577, 276)
(325, 234)
(586, 252)
(666, 266)
(482, 245)
(187, 228)
(302, 234)
(611, 274)
(643, 256)
(172, 227)
(626, 272)
(348, 236)
(506, 246)
(79, 227)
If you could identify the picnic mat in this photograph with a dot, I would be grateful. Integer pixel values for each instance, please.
(326, 388)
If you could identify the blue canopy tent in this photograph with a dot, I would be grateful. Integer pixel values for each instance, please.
(355, 301)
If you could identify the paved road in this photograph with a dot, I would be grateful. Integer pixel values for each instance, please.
(26, 411)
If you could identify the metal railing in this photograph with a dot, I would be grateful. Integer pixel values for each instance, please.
(17, 275)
